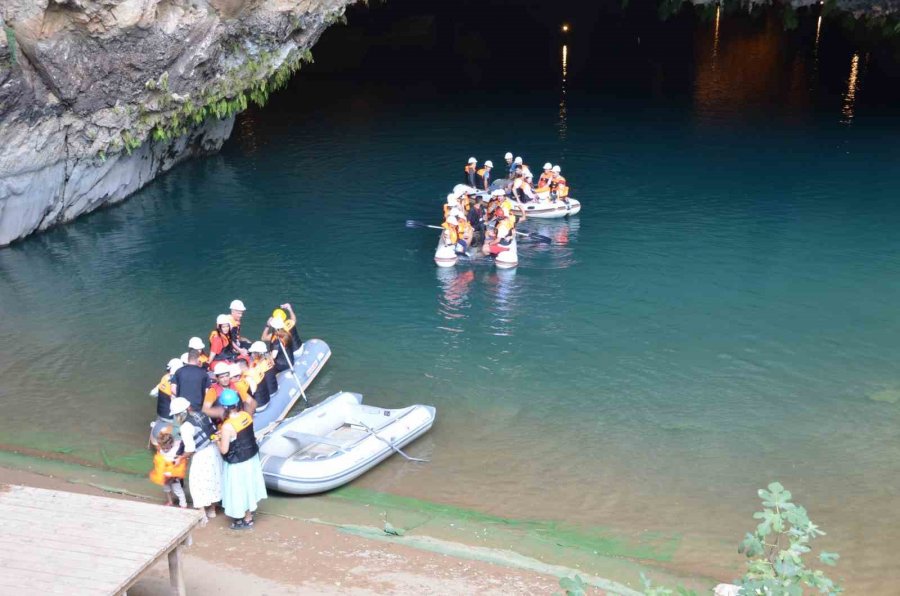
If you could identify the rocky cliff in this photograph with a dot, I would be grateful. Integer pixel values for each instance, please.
(97, 97)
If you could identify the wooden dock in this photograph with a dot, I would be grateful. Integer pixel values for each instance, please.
(55, 542)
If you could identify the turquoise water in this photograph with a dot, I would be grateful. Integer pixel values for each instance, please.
(722, 313)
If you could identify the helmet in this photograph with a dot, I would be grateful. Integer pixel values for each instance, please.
(473, 160)
(518, 161)
(498, 193)
(195, 343)
(178, 405)
(508, 155)
(451, 198)
(527, 175)
(174, 364)
(455, 212)
(235, 370)
(184, 358)
(223, 320)
(229, 397)
(276, 323)
(279, 314)
(237, 305)
(461, 188)
(258, 347)
(452, 220)
(489, 164)
(221, 368)
(548, 166)
(557, 169)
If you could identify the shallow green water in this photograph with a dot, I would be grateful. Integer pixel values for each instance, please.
(721, 314)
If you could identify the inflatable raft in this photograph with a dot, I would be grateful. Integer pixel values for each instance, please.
(508, 258)
(547, 209)
(333, 442)
(309, 360)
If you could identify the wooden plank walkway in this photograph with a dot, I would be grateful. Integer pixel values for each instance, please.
(56, 542)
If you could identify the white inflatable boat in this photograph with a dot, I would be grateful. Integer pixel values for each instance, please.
(445, 254)
(333, 442)
(547, 209)
(508, 258)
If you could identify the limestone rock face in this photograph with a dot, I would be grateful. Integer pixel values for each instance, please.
(97, 97)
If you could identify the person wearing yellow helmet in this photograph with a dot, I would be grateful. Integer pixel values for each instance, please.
(282, 336)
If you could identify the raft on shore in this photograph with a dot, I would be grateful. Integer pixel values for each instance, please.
(336, 441)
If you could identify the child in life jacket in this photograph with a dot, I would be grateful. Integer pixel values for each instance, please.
(169, 467)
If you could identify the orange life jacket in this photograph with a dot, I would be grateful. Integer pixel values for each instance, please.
(462, 226)
(259, 369)
(163, 469)
(469, 168)
(562, 189)
(546, 179)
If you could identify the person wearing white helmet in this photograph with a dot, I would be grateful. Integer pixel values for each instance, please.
(470, 169)
(546, 176)
(559, 188)
(237, 313)
(163, 393)
(452, 201)
(198, 436)
(522, 190)
(261, 378)
(211, 407)
(483, 176)
(221, 343)
(191, 381)
(195, 343)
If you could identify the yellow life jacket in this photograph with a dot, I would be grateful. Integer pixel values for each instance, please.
(165, 384)
(452, 234)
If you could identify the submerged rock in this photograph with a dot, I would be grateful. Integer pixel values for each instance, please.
(97, 97)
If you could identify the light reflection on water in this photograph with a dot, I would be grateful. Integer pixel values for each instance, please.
(850, 94)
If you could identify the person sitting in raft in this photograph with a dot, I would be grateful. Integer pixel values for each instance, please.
(510, 165)
(452, 202)
(221, 346)
(522, 189)
(483, 176)
(476, 220)
(505, 232)
(195, 343)
(464, 233)
(243, 486)
(163, 393)
(470, 171)
(191, 381)
(198, 435)
(169, 467)
(261, 378)
(517, 168)
(241, 344)
(211, 408)
(559, 188)
(547, 176)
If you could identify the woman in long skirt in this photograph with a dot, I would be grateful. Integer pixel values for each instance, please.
(243, 486)
(205, 476)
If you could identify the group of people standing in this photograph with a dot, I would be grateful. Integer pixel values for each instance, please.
(205, 407)
(551, 184)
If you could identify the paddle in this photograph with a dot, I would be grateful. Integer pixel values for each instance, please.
(411, 223)
(293, 374)
(389, 444)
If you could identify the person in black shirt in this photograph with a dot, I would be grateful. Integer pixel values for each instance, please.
(191, 381)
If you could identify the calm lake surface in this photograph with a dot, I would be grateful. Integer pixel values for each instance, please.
(722, 314)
